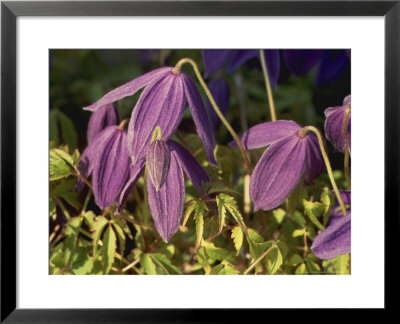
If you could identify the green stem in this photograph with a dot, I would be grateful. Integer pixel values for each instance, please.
(63, 208)
(302, 133)
(347, 148)
(268, 86)
(259, 259)
(177, 69)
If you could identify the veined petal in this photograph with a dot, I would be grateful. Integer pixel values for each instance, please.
(189, 164)
(240, 57)
(267, 133)
(334, 240)
(135, 173)
(214, 60)
(166, 204)
(103, 117)
(299, 62)
(111, 169)
(277, 172)
(314, 161)
(129, 88)
(220, 92)
(161, 104)
(90, 154)
(200, 117)
(158, 160)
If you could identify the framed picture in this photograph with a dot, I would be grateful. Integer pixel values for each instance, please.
(267, 87)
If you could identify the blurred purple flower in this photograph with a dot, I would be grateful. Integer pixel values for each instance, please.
(336, 238)
(289, 156)
(167, 167)
(299, 62)
(107, 159)
(216, 59)
(162, 103)
(332, 65)
(220, 92)
(334, 125)
(105, 116)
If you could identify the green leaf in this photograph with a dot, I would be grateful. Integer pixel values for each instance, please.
(279, 214)
(97, 229)
(201, 209)
(82, 263)
(342, 264)
(65, 191)
(224, 268)
(52, 209)
(298, 232)
(313, 210)
(89, 218)
(71, 235)
(237, 236)
(202, 259)
(256, 242)
(216, 253)
(221, 213)
(166, 263)
(295, 197)
(274, 260)
(189, 210)
(295, 260)
(328, 200)
(68, 132)
(109, 249)
(59, 164)
(301, 269)
(147, 264)
(230, 204)
(121, 237)
(312, 266)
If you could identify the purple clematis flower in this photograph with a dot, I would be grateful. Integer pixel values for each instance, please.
(334, 125)
(162, 103)
(336, 238)
(166, 162)
(290, 155)
(220, 92)
(299, 62)
(107, 159)
(105, 116)
(216, 59)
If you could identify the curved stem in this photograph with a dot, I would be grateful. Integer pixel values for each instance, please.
(121, 126)
(177, 69)
(327, 163)
(258, 260)
(347, 147)
(268, 86)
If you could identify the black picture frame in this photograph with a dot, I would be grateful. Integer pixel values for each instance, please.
(10, 10)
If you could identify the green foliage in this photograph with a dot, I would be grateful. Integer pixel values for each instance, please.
(109, 249)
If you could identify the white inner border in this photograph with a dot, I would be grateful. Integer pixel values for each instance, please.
(364, 288)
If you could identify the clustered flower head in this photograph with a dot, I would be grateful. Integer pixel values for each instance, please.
(291, 154)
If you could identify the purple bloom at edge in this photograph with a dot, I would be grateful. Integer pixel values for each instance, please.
(162, 103)
(289, 156)
(107, 159)
(336, 238)
(100, 119)
(220, 92)
(216, 59)
(166, 187)
(334, 125)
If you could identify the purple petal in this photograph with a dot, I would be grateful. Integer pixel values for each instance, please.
(135, 173)
(239, 57)
(192, 168)
(267, 133)
(103, 117)
(214, 60)
(334, 125)
(158, 160)
(299, 62)
(336, 212)
(166, 204)
(334, 240)
(315, 164)
(129, 88)
(111, 169)
(277, 172)
(273, 63)
(220, 92)
(89, 156)
(200, 117)
(332, 65)
(161, 104)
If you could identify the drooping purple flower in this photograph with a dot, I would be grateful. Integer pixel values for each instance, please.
(332, 65)
(107, 159)
(162, 103)
(334, 125)
(158, 161)
(220, 92)
(299, 62)
(290, 155)
(105, 116)
(166, 202)
(336, 238)
(216, 59)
